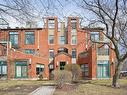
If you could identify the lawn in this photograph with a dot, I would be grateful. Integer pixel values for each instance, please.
(20, 87)
(95, 87)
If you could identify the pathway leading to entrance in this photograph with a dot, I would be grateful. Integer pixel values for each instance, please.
(44, 90)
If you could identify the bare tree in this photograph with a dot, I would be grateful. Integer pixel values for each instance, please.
(112, 14)
(20, 10)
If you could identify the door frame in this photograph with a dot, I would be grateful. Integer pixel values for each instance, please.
(108, 65)
(21, 68)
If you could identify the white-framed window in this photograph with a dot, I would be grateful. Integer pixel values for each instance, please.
(3, 69)
(73, 53)
(51, 39)
(13, 36)
(29, 37)
(85, 69)
(39, 68)
(73, 23)
(51, 23)
(61, 40)
(51, 53)
(29, 51)
(74, 39)
(94, 36)
(103, 51)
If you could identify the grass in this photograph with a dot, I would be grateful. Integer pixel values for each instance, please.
(20, 87)
(96, 87)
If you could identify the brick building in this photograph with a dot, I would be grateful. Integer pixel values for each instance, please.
(26, 52)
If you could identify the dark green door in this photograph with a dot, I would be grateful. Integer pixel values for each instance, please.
(103, 70)
(21, 69)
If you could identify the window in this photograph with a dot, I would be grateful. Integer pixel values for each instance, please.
(61, 40)
(29, 51)
(51, 53)
(29, 38)
(85, 70)
(62, 64)
(62, 49)
(14, 39)
(103, 68)
(94, 36)
(51, 39)
(39, 68)
(21, 68)
(51, 23)
(74, 39)
(73, 53)
(103, 51)
(3, 69)
(73, 23)
(3, 49)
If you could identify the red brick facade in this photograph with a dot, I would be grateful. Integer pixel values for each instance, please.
(86, 52)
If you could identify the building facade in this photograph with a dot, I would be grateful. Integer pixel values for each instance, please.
(27, 52)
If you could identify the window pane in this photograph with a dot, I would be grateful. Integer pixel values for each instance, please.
(51, 53)
(29, 38)
(73, 53)
(51, 23)
(24, 71)
(29, 51)
(14, 38)
(18, 69)
(74, 39)
(39, 68)
(4, 69)
(0, 70)
(73, 23)
(61, 40)
(94, 36)
(51, 39)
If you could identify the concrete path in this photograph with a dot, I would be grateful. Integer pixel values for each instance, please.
(44, 90)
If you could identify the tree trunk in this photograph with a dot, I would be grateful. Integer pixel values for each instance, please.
(116, 75)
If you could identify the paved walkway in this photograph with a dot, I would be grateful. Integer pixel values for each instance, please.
(44, 90)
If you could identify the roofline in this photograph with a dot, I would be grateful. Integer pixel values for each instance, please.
(91, 29)
(22, 29)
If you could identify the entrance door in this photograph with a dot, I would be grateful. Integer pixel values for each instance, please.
(21, 69)
(103, 71)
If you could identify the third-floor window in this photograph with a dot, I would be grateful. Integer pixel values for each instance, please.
(29, 38)
(94, 36)
(51, 23)
(73, 23)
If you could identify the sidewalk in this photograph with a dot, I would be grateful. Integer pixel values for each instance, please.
(44, 90)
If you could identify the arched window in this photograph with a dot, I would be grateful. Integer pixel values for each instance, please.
(63, 49)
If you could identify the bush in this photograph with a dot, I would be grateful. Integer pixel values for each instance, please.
(61, 77)
(75, 70)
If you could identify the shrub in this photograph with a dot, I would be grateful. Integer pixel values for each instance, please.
(61, 77)
(75, 70)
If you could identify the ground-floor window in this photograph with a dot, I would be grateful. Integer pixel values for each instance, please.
(62, 64)
(85, 70)
(3, 69)
(39, 68)
(21, 69)
(103, 69)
